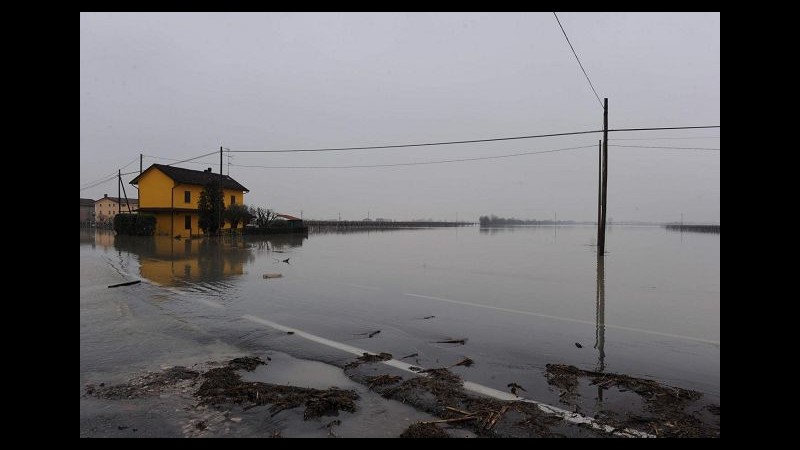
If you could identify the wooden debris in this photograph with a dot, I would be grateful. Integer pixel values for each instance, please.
(374, 333)
(383, 379)
(460, 411)
(466, 362)
(458, 419)
(125, 284)
(410, 356)
(452, 341)
(514, 387)
(272, 275)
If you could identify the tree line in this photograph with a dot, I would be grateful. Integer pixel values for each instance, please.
(494, 221)
(213, 213)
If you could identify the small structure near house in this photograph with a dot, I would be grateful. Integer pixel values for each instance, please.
(292, 222)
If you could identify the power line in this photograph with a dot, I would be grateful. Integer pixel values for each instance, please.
(111, 174)
(99, 183)
(579, 60)
(471, 141)
(173, 159)
(192, 159)
(674, 148)
(665, 128)
(415, 163)
(412, 145)
(663, 138)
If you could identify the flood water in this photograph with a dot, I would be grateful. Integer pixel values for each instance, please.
(520, 298)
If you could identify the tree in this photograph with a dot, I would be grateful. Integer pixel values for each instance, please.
(263, 216)
(210, 207)
(237, 213)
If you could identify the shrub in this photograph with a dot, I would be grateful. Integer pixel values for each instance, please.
(135, 224)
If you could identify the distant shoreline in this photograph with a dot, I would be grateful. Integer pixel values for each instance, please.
(694, 228)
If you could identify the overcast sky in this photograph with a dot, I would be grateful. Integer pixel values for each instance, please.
(177, 85)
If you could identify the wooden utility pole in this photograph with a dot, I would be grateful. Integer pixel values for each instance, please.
(119, 194)
(140, 163)
(221, 191)
(601, 241)
(599, 187)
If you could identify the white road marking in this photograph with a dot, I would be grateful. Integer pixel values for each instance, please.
(468, 385)
(566, 319)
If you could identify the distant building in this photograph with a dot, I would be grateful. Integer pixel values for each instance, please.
(292, 221)
(172, 194)
(107, 207)
(87, 211)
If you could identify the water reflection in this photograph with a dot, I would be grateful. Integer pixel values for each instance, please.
(173, 262)
(278, 242)
(95, 237)
(600, 322)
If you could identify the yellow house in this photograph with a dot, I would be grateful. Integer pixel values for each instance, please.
(172, 194)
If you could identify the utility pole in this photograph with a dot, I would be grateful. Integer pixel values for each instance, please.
(119, 194)
(140, 163)
(221, 191)
(599, 187)
(602, 236)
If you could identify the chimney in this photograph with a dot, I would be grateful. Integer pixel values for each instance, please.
(105, 195)
(208, 170)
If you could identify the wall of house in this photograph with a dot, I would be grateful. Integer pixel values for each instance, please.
(105, 209)
(155, 189)
(238, 194)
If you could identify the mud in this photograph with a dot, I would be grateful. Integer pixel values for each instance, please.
(668, 410)
(424, 430)
(221, 386)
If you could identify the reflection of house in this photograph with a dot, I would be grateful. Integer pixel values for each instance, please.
(172, 194)
(107, 207)
(170, 262)
(87, 211)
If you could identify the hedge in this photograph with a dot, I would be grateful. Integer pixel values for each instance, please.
(135, 224)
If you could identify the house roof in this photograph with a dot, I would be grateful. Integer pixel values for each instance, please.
(117, 200)
(197, 177)
(87, 202)
(288, 217)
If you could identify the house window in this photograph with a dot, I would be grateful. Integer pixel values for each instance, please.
(187, 222)
(233, 199)
(187, 196)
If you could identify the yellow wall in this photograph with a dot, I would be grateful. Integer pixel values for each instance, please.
(163, 224)
(239, 197)
(155, 189)
(179, 196)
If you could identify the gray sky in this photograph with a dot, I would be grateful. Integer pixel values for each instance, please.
(177, 85)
